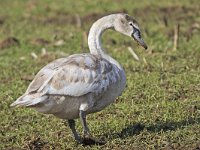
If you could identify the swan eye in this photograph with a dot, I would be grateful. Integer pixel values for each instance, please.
(131, 24)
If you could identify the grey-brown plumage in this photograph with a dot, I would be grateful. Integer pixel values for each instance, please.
(81, 84)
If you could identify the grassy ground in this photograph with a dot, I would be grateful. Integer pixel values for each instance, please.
(160, 108)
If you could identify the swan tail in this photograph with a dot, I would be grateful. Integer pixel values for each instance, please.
(28, 100)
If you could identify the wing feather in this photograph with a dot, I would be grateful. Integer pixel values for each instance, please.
(75, 76)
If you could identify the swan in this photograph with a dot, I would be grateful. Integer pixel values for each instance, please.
(80, 84)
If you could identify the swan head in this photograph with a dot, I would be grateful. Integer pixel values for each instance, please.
(129, 26)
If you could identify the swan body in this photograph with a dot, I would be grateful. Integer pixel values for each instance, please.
(80, 81)
(81, 84)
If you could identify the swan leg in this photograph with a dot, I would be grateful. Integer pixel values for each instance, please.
(71, 124)
(82, 115)
(87, 138)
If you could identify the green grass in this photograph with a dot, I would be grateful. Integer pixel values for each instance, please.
(160, 107)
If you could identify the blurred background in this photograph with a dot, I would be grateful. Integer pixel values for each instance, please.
(160, 107)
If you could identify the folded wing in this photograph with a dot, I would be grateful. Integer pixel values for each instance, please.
(75, 76)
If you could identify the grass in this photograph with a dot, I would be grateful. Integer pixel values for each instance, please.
(160, 107)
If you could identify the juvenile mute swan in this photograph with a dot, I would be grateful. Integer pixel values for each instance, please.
(80, 84)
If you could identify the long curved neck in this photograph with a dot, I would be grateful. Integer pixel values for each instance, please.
(94, 38)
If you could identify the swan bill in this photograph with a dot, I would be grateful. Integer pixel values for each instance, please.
(137, 37)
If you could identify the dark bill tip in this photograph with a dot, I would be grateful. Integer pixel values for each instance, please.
(145, 46)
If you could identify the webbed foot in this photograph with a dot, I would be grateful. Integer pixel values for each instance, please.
(89, 140)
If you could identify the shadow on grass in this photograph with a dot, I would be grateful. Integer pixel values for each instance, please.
(135, 129)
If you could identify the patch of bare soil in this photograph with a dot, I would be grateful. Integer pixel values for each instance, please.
(37, 144)
(27, 77)
(91, 17)
(40, 42)
(178, 13)
(164, 14)
(182, 16)
(62, 18)
(9, 42)
(1, 21)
